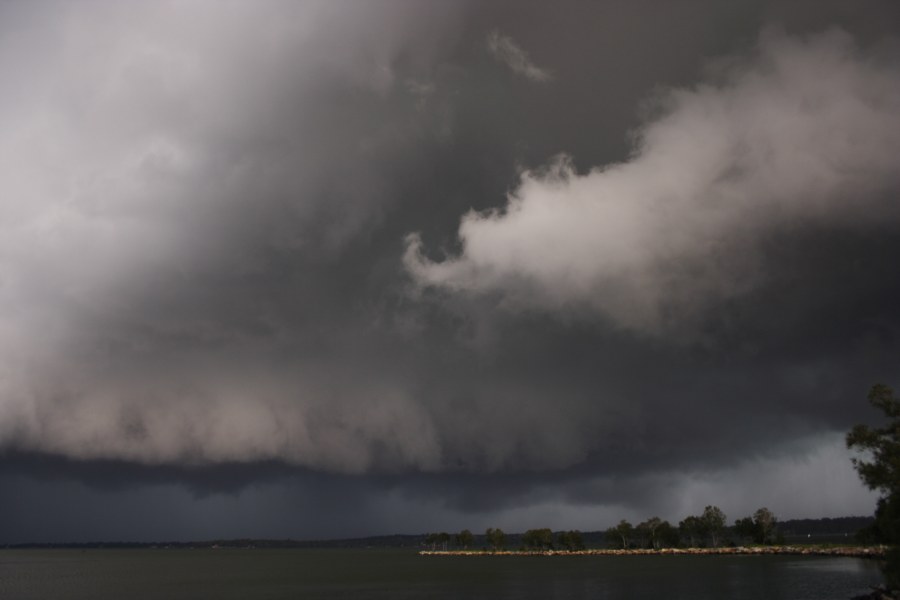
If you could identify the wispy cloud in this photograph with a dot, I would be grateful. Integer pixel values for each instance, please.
(505, 50)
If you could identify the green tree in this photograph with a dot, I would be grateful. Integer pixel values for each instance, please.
(880, 471)
(691, 529)
(438, 539)
(713, 523)
(538, 539)
(648, 532)
(620, 535)
(570, 540)
(464, 538)
(759, 527)
(764, 522)
(667, 535)
(431, 540)
(745, 529)
(496, 538)
(443, 538)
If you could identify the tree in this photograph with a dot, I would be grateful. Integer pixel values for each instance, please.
(436, 539)
(648, 531)
(745, 529)
(764, 522)
(443, 538)
(570, 540)
(538, 539)
(464, 538)
(620, 535)
(881, 472)
(496, 538)
(667, 535)
(713, 522)
(691, 528)
(759, 527)
(432, 540)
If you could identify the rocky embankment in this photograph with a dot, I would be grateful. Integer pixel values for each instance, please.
(851, 551)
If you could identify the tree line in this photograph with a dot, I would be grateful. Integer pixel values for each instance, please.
(708, 529)
(496, 539)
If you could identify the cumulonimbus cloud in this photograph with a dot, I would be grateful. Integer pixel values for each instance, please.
(804, 133)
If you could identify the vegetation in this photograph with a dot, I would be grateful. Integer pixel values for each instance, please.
(667, 536)
(496, 538)
(464, 538)
(656, 533)
(438, 539)
(620, 535)
(764, 522)
(570, 540)
(646, 532)
(706, 530)
(538, 539)
(760, 527)
(881, 472)
(691, 529)
(712, 522)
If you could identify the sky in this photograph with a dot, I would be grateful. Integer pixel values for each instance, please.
(318, 269)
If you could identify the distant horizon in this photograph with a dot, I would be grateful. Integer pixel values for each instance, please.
(215, 540)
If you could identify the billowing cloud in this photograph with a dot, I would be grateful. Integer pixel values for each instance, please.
(801, 136)
(204, 304)
(506, 51)
(156, 159)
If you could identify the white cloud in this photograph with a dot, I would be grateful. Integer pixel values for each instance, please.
(805, 133)
(505, 50)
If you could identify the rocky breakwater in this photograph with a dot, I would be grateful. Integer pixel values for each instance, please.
(849, 551)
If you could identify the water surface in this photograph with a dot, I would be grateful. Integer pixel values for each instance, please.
(381, 574)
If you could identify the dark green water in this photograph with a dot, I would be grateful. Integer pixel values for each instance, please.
(366, 574)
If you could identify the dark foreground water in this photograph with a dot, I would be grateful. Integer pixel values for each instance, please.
(367, 574)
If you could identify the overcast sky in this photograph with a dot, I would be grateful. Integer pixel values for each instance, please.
(329, 269)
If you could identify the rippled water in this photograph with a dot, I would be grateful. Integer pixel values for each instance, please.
(376, 574)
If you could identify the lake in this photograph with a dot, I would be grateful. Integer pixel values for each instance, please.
(380, 574)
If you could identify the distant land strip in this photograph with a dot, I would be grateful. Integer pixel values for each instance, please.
(848, 551)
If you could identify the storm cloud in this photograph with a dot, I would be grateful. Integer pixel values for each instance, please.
(465, 264)
(802, 135)
(509, 53)
(162, 182)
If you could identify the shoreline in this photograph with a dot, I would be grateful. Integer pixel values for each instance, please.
(845, 551)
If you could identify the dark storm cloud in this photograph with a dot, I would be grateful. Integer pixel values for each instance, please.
(509, 53)
(202, 288)
(175, 210)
